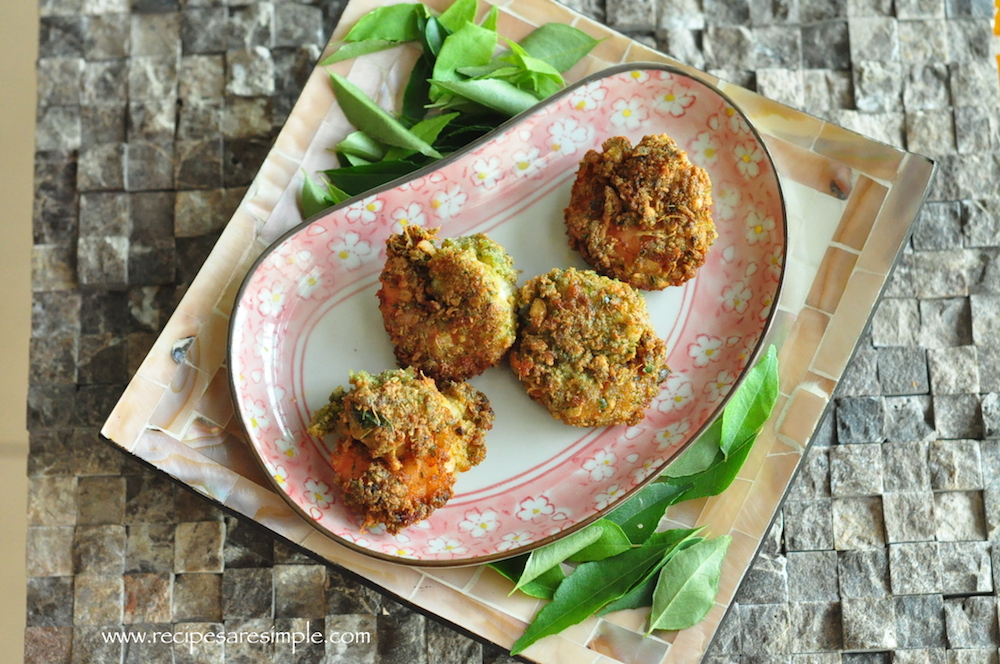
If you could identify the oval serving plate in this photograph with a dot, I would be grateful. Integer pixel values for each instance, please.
(306, 315)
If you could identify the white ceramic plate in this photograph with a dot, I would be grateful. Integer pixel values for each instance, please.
(307, 315)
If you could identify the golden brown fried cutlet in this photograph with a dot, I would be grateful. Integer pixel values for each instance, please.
(586, 350)
(641, 214)
(449, 307)
(401, 442)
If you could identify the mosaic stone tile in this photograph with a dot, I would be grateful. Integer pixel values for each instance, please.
(245, 547)
(149, 548)
(89, 646)
(147, 598)
(966, 568)
(98, 599)
(299, 591)
(400, 639)
(47, 645)
(920, 621)
(197, 598)
(198, 547)
(99, 550)
(971, 622)
(49, 551)
(401, 634)
(247, 593)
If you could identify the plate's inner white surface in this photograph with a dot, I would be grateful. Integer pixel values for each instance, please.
(525, 440)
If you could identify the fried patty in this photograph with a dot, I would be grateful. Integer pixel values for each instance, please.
(449, 307)
(641, 214)
(401, 441)
(586, 349)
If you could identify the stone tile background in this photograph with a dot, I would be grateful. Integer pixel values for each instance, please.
(153, 116)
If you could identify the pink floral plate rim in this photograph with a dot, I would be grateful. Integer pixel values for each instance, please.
(750, 353)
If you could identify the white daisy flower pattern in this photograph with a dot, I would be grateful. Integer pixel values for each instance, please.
(705, 148)
(705, 349)
(759, 227)
(629, 114)
(271, 300)
(487, 172)
(365, 211)
(287, 446)
(309, 282)
(514, 541)
(748, 157)
(446, 203)
(258, 418)
(263, 346)
(318, 493)
(478, 524)
(774, 260)
(438, 545)
(588, 97)
(737, 124)
(352, 250)
(672, 435)
(674, 101)
(527, 162)
(280, 476)
(727, 200)
(736, 297)
(676, 394)
(400, 551)
(411, 215)
(566, 135)
(605, 498)
(718, 388)
(638, 76)
(533, 508)
(601, 466)
(648, 467)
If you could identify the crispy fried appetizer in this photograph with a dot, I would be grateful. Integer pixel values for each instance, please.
(641, 214)
(587, 351)
(401, 442)
(449, 308)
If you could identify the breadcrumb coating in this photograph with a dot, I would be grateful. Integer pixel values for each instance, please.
(401, 442)
(641, 214)
(586, 350)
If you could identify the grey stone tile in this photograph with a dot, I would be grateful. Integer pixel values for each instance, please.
(778, 46)
(295, 25)
(54, 361)
(909, 419)
(59, 81)
(960, 516)
(818, 626)
(902, 370)
(809, 525)
(147, 598)
(149, 548)
(107, 36)
(958, 416)
(61, 36)
(198, 546)
(812, 576)
(990, 409)
(919, 9)
(201, 77)
(149, 499)
(824, 89)
(896, 322)
(99, 550)
(198, 164)
(926, 87)
(954, 370)
(873, 39)
(860, 376)
(970, 175)
(783, 85)
(923, 41)
(857, 523)
(245, 547)
(100, 500)
(766, 582)
(103, 261)
(920, 621)
(855, 470)
(966, 568)
(149, 651)
(446, 645)
(285, 554)
(48, 645)
(241, 650)
(190, 505)
(150, 165)
(203, 29)
(49, 406)
(991, 509)
(157, 35)
(57, 128)
(766, 629)
(728, 13)
(909, 516)
(973, 656)
(976, 81)
(105, 213)
(345, 595)
(49, 551)
(247, 593)
(972, 622)
(977, 130)
(945, 322)
(49, 601)
(681, 15)
(980, 223)
(249, 72)
(52, 501)
(98, 599)
(631, 15)
(50, 453)
(931, 132)
(869, 623)
(955, 465)
(826, 45)
(985, 310)
(242, 158)
(729, 46)
(860, 420)
(251, 26)
(969, 39)
(247, 117)
(192, 645)
(878, 85)
(920, 656)
(403, 638)
(152, 120)
(813, 478)
(197, 597)
(89, 646)
(299, 591)
(102, 167)
(313, 648)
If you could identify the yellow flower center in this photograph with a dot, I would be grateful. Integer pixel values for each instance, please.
(730, 112)
(435, 203)
(556, 147)
(758, 229)
(710, 152)
(580, 105)
(523, 165)
(636, 74)
(403, 221)
(481, 175)
(746, 159)
(627, 112)
(371, 207)
(669, 97)
(343, 253)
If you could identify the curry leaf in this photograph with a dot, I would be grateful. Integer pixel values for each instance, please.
(426, 130)
(490, 20)
(493, 94)
(612, 541)
(433, 36)
(558, 44)
(416, 96)
(640, 515)
(369, 117)
(350, 50)
(360, 144)
(314, 198)
(687, 585)
(717, 478)
(471, 45)
(356, 180)
(751, 405)
(699, 455)
(546, 557)
(591, 586)
(458, 14)
(543, 586)
(397, 23)
(641, 594)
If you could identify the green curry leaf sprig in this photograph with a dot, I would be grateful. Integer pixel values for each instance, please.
(466, 82)
(624, 562)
